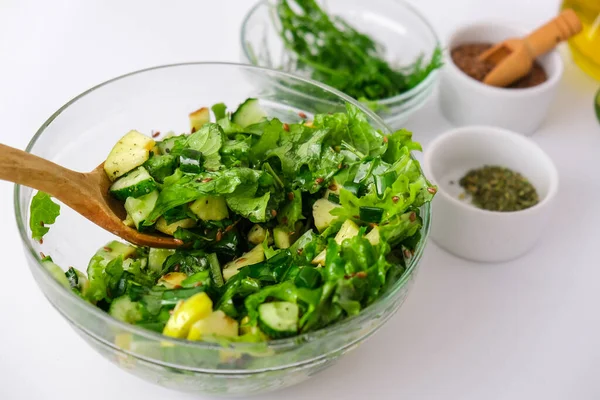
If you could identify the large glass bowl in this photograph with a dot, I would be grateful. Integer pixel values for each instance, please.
(402, 30)
(80, 135)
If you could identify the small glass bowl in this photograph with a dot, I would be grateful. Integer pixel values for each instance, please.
(80, 135)
(402, 30)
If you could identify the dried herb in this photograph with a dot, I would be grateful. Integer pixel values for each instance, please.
(336, 54)
(497, 188)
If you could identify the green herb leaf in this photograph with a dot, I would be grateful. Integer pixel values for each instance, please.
(342, 57)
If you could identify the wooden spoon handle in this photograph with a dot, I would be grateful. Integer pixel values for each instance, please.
(546, 37)
(29, 170)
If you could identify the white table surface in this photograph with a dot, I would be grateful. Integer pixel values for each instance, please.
(528, 329)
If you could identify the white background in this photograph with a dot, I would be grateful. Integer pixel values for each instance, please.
(529, 329)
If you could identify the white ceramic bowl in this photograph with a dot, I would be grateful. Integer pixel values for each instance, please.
(474, 233)
(466, 101)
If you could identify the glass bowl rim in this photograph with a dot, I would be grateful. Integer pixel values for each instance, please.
(389, 101)
(158, 337)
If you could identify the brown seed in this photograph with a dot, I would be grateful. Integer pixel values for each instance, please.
(340, 166)
(361, 274)
(155, 134)
(407, 253)
(41, 240)
(412, 216)
(206, 180)
(385, 139)
(318, 181)
(193, 129)
(42, 255)
(299, 251)
(432, 190)
(395, 199)
(301, 114)
(176, 268)
(332, 187)
(41, 223)
(286, 127)
(356, 217)
(291, 233)
(291, 196)
(197, 284)
(372, 225)
(241, 259)
(228, 228)
(177, 287)
(107, 249)
(274, 213)
(219, 235)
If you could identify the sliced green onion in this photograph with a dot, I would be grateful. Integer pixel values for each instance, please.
(190, 161)
(371, 214)
(334, 198)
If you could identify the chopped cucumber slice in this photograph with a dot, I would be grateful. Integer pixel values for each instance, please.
(169, 229)
(322, 213)
(56, 272)
(210, 208)
(248, 113)
(281, 236)
(278, 319)
(123, 309)
(373, 237)
(166, 145)
(129, 153)
(135, 184)
(349, 229)
(254, 256)
(257, 234)
(157, 257)
(140, 208)
(128, 221)
(216, 324)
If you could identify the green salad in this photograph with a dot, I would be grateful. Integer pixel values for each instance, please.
(288, 226)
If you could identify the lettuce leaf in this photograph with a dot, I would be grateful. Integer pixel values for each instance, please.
(207, 140)
(43, 211)
(252, 208)
(182, 188)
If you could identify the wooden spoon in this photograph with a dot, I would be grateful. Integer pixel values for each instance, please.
(514, 57)
(86, 193)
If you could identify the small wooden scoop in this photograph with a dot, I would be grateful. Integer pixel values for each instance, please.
(514, 57)
(87, 194)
